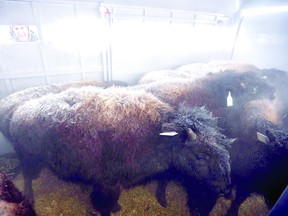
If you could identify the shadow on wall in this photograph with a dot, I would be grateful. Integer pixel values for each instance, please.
(5, 145)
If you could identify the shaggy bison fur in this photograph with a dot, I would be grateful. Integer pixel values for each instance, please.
(11, 102)
(196, 71)
(259, 166)
(279, 79)
(212, 91)
(109, 138)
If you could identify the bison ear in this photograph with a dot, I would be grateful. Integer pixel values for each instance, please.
(191, 135)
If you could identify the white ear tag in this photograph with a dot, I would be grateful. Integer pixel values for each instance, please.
(229, 99)
(168, 133)
(262, 138)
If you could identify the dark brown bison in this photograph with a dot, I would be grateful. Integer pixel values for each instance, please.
(109, 138)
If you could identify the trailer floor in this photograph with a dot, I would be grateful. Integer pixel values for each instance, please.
(59, 198)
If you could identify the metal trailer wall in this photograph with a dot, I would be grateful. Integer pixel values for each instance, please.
(85, 39)
(263, 35)
(89, 40)
(145, 39)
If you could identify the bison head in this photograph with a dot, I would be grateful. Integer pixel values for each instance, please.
(244, 87)
(276, 138)
(279, 79)
(202, 156)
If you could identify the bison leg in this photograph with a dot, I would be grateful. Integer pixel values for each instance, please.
(200, 199)
(161, 192)
(28, 190)
(31, 167)
(241, 196)
(105, 200)
(201, 206)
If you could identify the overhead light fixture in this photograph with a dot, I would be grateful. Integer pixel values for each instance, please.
(264, 10)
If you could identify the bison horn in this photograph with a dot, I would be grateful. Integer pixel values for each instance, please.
(191, 135)
(271, 136)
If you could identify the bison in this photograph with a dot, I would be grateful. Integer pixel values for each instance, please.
(279, 79)
(216, 67)
(212, 91)
(259, 157)
(109, 138)
(196, 71)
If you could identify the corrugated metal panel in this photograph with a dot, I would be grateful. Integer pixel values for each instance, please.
(3, 89)
(263, 41)
(5, 146)
(22, 58)
(25, 82)
(19, 12)
(145, 39)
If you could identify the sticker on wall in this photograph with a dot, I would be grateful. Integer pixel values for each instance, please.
(18, 33)
(23, 33)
